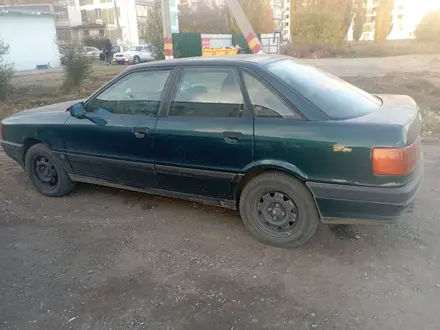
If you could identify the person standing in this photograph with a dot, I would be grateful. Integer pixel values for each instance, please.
(108, 51)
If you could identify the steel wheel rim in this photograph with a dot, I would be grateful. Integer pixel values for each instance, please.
(277, 213)
(45, 171)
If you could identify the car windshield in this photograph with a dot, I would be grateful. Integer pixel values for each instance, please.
(335, 97)
(135, 48)
(92, 49)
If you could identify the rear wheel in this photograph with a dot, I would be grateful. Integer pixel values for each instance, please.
(46, 172)
(279, 210)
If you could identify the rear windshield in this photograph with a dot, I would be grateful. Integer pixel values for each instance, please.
(335, 97)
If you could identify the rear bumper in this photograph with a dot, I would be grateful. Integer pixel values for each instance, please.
(13, 150)
(345, 204)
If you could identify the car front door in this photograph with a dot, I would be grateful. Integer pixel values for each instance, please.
(122, 150)
(206, 138)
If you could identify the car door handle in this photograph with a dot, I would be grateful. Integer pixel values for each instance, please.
(232, 137)
(140, 132)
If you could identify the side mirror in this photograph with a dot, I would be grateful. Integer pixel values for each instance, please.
(78, 111)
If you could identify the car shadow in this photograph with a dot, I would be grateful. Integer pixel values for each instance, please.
(342, 242)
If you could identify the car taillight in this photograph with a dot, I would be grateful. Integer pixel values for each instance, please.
(396, 161)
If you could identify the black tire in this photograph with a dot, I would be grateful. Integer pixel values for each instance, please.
(301, 224)
(60, 183)
(136, 60)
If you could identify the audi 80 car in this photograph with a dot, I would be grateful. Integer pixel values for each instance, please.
(286, 144)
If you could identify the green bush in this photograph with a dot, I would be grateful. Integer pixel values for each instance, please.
(94, 41)
(428, 29)
(6, 72)
(77, 66)
(154, 31)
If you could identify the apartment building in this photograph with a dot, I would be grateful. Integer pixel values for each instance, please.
(406, 16)
(278, 12)
(194, 3)
(122, 21)
(285, 27)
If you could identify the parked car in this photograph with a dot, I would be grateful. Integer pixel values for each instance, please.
(287, 145)
(92, 52)
(115, 49)
(134, 55)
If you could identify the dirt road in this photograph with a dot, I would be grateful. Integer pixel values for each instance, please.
(378, 66)
(109, 259)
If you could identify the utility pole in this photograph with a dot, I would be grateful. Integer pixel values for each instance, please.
(167, 36)
(245, 26)
(119, 33)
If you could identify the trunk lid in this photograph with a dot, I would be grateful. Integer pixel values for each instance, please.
(396, 110)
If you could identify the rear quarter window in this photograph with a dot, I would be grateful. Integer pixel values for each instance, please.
(335, 97)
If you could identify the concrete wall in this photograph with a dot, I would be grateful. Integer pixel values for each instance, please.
(31, 40)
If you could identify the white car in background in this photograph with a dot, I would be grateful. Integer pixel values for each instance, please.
(134, 55)
(92, 52)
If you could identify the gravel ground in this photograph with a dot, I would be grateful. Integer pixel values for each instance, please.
(110, 259)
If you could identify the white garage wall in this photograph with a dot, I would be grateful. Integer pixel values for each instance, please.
(31, 39)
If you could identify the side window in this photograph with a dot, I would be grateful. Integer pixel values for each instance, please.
(139, 93)
(266, 103)
(208, 92)
(146, 49)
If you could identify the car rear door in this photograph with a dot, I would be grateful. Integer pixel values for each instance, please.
(146, 54)
(122, 150)
(206, 137)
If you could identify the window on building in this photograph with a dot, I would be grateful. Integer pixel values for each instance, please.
(63, 34)
(142, 27)
(61, 14)
(101, 33)
(142, 10)
(105, 1)
(86, 33)
(86, 2)
(108, 15)
(92, 16)
(84, 17)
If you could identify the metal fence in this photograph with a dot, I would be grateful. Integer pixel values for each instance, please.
(190, 44)
(271, 42)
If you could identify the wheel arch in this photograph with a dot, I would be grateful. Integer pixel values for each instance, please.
(27, 144)
(256, 168)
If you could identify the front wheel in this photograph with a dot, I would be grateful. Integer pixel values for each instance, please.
(136, 60)
(46, 172)
(279, 210)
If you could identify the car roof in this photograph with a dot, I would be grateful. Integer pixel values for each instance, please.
(233, 60)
